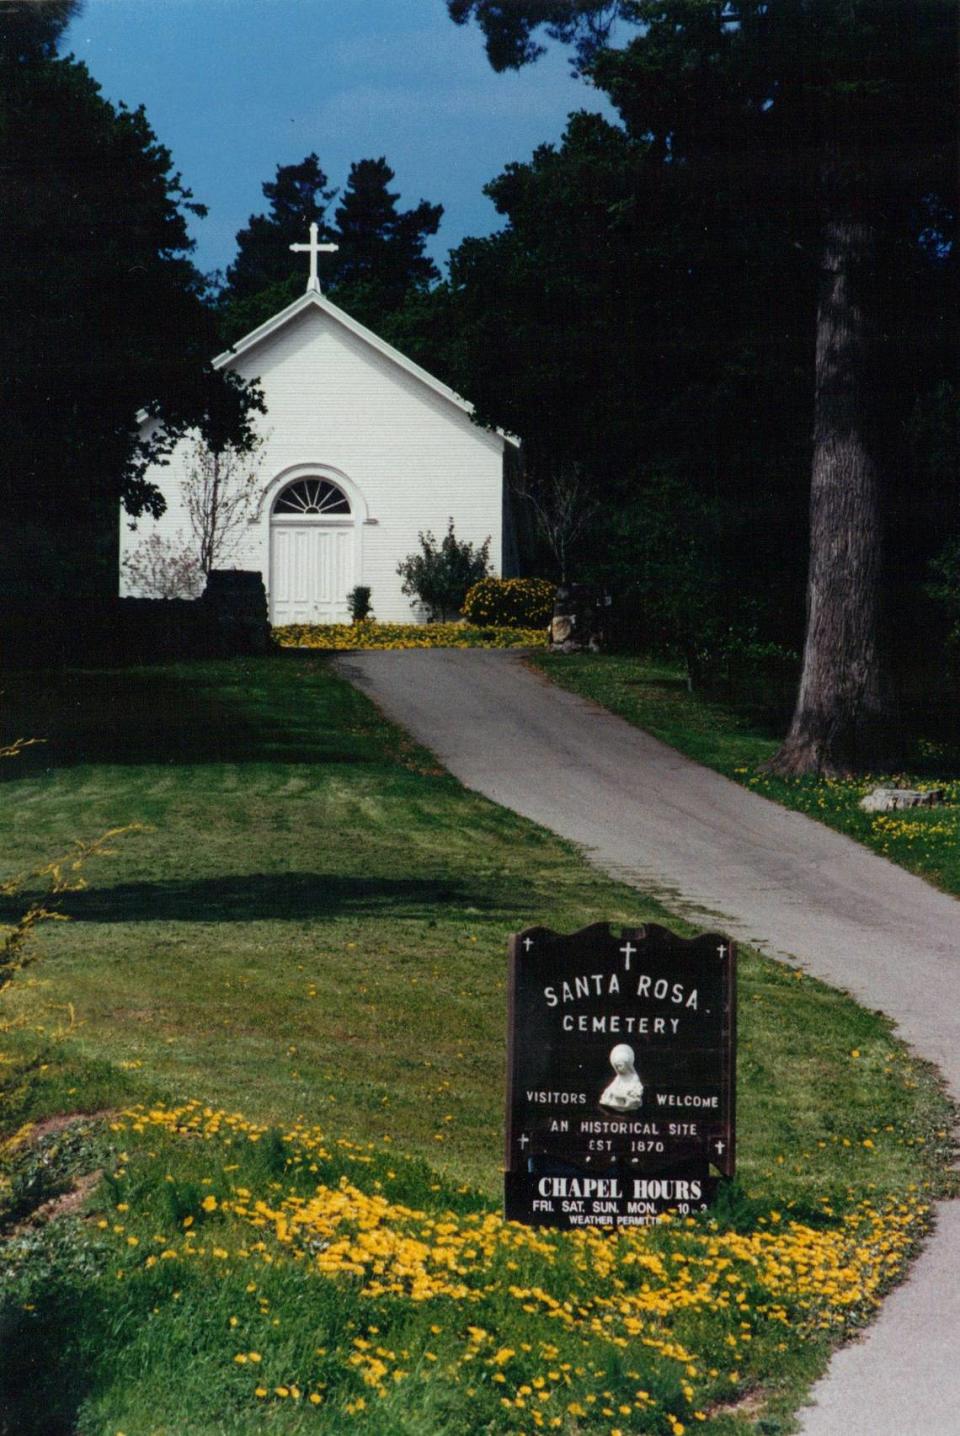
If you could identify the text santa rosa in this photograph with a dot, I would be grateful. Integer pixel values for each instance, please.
(644, 988)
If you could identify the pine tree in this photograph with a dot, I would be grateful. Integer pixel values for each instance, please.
(265, 276)
(104, 314)
(829, 131)
(379, 265)
(382, 260)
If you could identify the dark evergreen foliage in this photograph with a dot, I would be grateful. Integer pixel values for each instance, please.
(31, 29)
(104, 314)
(379, 265)
(382, 260)
(509, 27)
(298, 198)
(602, 327)
(762, 144)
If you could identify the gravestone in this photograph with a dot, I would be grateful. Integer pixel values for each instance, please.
(236, 601)
(620, 1075)
(889, 800)
(577, 622)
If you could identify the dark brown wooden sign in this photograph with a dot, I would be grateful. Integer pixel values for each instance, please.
(620, 1074)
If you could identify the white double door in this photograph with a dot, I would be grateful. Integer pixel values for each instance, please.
(311, 571)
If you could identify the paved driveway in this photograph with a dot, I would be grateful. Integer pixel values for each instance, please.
(793, 889)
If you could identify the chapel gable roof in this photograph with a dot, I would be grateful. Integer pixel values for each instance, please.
(314, 300)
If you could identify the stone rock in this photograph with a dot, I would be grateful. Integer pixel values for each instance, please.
(577, 623)
(888, 800)
(236, 600)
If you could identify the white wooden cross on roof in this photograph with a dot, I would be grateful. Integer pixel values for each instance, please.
(313, 249)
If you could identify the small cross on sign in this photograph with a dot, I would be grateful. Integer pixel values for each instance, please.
(719, 1146)
(722, 951)
(313, 249)
(524, 1140)
(628, 950)
(527, 944)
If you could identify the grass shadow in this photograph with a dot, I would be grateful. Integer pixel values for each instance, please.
(45, 1373)
(280, 709)
(256, 897)
(677, 685)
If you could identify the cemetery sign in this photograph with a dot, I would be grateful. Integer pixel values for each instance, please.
(620, 1074)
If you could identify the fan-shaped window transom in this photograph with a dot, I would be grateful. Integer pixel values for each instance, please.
(309, 497)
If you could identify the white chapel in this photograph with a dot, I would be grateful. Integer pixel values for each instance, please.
(362, 449)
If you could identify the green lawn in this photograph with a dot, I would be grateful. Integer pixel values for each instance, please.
(737, 740)
(313, 930)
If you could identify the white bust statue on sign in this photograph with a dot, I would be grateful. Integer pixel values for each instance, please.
(625, 1092)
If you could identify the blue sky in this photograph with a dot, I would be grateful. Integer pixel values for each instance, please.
(235, 87)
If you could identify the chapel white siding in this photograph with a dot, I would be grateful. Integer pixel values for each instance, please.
(407, 456)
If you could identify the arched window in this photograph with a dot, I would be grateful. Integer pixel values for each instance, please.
(311, 497)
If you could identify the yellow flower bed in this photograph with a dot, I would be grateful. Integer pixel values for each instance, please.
(342, 637)
(534, 1321)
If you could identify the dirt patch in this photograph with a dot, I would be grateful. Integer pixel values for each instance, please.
(35, 1132)
(63, 1205)
(751, 1404)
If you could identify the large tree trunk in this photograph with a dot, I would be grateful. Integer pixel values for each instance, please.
(845, 718)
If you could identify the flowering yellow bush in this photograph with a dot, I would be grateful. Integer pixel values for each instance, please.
(651, 1329)
(342, 637)
(513, 602)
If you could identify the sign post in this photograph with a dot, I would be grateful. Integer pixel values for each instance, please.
(620, 1075)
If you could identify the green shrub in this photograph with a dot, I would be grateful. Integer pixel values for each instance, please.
(741, 669)
(510, 602)
(944, 585)
(358, 602)
(440, 574)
